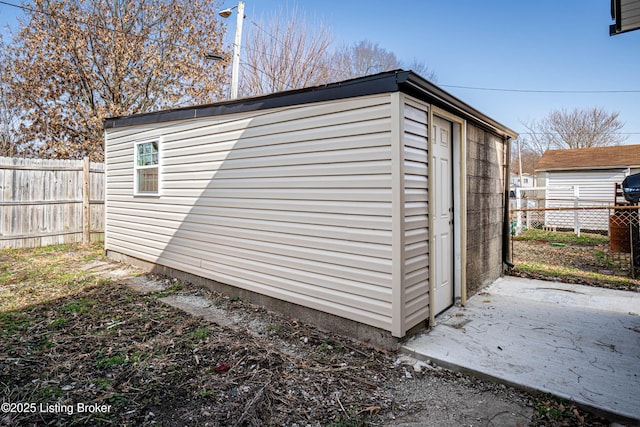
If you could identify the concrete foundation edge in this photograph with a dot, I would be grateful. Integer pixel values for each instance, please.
(376, 337)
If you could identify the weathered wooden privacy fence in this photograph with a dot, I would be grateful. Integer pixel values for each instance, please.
(49, 202)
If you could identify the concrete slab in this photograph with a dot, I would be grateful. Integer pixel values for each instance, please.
(576, 342)
(200, 307)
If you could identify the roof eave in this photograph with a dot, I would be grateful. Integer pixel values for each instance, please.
(581, 168)
(444, 99)
(386, 82)
(369, 85)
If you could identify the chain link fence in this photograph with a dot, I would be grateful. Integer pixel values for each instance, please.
(615, 225)
(602, 220)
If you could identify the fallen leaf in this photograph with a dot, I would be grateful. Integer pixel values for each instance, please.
(371, 410)
(578, 416)
(106, 396)
(222, 367)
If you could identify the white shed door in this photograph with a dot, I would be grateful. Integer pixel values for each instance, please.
(443, 213)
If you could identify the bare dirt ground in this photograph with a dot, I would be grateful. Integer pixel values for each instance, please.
(77, 329)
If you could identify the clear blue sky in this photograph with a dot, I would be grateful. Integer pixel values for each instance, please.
(542, 45)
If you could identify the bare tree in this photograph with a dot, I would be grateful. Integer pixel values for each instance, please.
(422, 69)
(75, 62)
(537, 140)
(579, 128)
(285, 52)
(366, 57)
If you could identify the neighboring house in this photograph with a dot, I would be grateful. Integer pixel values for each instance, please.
(587, 175)
(528, 180)
(595, 171)
(528, 199)
(367, 206)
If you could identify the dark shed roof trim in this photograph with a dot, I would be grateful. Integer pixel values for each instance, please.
(425, 90)
(391, 81)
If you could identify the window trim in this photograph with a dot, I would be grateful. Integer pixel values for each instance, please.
(136, 168)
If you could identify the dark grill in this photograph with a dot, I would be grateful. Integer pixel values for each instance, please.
(631, 192)
(631, 188)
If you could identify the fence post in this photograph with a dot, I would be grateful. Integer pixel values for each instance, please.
(86, 208)
(576, 217)
(519, 214)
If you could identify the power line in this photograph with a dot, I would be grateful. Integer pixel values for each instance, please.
(283, 58)
(255, 24)
(275, 78)
(493, 89)
(283, 45)
(86, 24)
(115, 30)
(190, 49)
(277, 40)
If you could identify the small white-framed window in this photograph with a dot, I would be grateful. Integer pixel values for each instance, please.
(146, 166)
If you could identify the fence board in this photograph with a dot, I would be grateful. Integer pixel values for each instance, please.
(41, 202)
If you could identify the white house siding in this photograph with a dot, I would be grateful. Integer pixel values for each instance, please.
(293, 203)
(595, 188)
(416, 232)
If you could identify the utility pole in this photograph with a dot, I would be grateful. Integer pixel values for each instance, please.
(520, 161)
(235, 64)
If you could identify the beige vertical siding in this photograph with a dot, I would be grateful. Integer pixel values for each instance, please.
(293, 203)
(416, 234)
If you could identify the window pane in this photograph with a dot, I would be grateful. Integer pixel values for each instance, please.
(148, 180)
(147, 154)
(139, 154)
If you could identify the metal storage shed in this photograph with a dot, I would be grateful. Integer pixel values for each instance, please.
(368, 205)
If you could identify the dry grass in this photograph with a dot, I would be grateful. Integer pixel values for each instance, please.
(68, 336)
(585, 262)
(29, 277)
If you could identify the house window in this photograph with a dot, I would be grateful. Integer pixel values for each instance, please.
(146, 167)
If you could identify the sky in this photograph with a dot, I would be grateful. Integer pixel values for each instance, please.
(513, 60)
